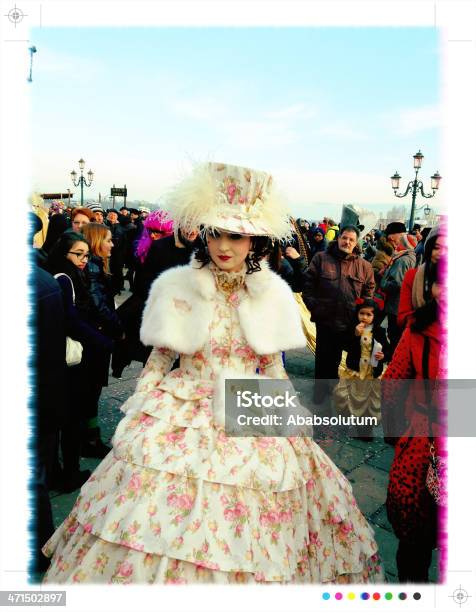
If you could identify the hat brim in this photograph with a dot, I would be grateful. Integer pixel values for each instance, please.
(236, 226)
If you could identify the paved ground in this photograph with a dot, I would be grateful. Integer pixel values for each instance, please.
(365, 464)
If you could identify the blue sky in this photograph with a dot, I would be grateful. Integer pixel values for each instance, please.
(330, 112)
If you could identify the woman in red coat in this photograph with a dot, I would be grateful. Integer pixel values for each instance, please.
(411, 509)
(435, 247)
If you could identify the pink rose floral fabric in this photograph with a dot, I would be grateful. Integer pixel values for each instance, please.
(177, 501)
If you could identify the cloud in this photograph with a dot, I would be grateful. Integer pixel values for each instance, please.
(201, 108)
(307, 187)
(294, 112)
(230, 119)
(192, 100)
(413, 120)
(258, 134)
(233, 127)
(342, 131)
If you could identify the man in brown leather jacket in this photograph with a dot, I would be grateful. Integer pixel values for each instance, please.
(333, 281)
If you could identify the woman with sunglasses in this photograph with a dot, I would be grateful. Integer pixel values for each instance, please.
(67, 260)
(99, 238)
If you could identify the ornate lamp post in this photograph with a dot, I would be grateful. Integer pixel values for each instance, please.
(82, 181)
(415, 185)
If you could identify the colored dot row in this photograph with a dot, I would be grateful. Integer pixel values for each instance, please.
(374, 596)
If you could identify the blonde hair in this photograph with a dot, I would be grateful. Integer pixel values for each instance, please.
(95, 234)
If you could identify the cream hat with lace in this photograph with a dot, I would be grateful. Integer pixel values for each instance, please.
(230, 198)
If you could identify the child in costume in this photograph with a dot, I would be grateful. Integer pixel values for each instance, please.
(176, 500)
(358, 391)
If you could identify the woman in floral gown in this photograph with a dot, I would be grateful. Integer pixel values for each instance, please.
(176, 500)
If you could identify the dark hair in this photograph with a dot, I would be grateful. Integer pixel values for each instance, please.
(349, 228)
(428, 313)
(57, 255)
(432, 275)
(429, 245)
(425, 231)
(57, 262)
(274, 259)
(260, 247)
(56, 226)
(367, 302)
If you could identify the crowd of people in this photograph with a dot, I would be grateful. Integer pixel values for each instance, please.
(204, 297)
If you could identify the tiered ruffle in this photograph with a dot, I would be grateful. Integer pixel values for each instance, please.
(178, 501)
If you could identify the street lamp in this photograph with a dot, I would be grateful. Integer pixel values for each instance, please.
(415, 186)
(426, 209)
(82, 180)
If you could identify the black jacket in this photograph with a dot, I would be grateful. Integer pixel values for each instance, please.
(352, 346)
(76, 326)
(133, 233)
(118, 233)
(370, 251)
(118, 256)
(292, 271)
(317, 247)
(103, 298)
(163, 254)
(50, 352)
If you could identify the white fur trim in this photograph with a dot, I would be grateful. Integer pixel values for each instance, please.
(180, 308)
(174, 315)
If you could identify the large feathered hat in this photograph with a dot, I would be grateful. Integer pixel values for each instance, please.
(229, 198)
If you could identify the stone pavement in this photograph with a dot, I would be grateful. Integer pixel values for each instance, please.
(365, 464)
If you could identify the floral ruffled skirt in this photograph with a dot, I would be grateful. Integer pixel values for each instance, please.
(177, 501)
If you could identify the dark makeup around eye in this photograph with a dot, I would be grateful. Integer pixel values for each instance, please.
(215, 234)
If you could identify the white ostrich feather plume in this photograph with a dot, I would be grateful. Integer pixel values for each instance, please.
(253, 207)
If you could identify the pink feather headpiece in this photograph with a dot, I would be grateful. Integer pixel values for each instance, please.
(159, 221)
